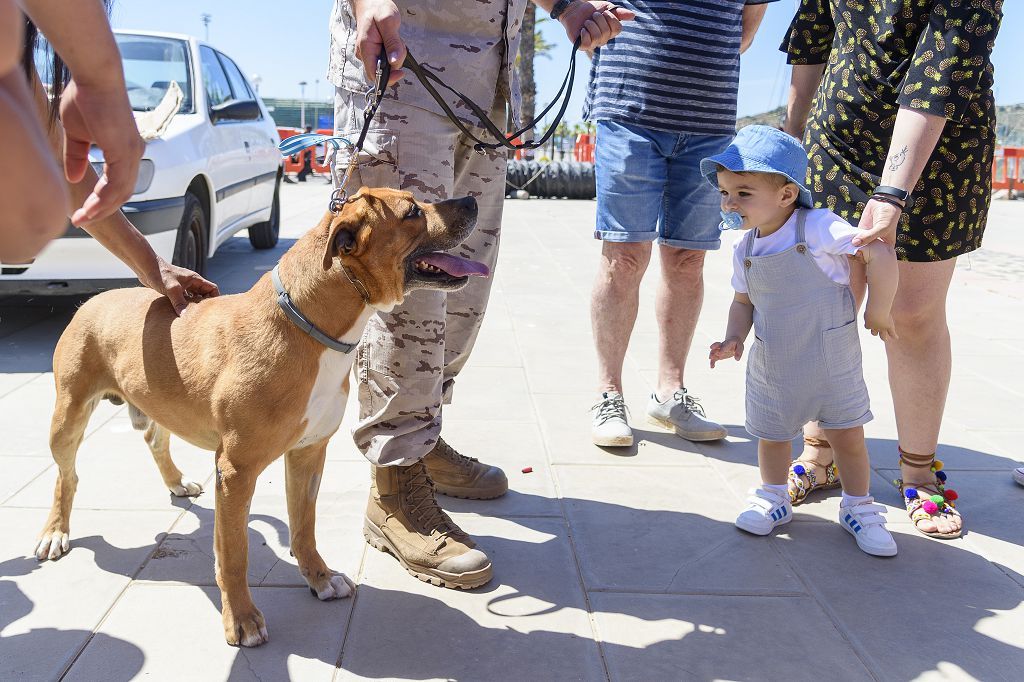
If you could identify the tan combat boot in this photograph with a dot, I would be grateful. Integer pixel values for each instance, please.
(460, 476)
(404, 519)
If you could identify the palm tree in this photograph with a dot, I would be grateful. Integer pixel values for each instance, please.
(531, 46)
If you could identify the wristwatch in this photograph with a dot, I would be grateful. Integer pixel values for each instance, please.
(894, 192)
(560, 8)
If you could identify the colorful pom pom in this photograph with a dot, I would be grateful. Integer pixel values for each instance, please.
(910, 493)
(799, 470)
(937, 499)
(941, 475)
(951, 495)
(930, 507)
(937, 465)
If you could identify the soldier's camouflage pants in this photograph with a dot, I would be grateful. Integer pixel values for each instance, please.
(408, 358)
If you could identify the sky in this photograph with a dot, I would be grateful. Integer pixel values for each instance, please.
(261, 36)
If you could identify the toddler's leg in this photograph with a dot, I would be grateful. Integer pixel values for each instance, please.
(768, 506)
(851, 454)
(858, 513)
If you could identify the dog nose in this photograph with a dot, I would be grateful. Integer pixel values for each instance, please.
(467, 203)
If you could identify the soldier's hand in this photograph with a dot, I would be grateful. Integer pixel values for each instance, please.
(377, 24)
(594, 22)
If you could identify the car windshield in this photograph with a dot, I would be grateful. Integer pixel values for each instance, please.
(150, 64)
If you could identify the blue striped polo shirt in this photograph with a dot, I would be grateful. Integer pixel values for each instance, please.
(676, 68)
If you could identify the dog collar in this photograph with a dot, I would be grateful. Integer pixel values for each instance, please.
(301, 321)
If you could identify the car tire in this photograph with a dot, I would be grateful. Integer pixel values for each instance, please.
(264, 235)
(191, 247)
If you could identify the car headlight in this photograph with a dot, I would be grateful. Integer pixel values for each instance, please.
(144, 179)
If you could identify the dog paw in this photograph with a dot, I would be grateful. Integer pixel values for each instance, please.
(187, 488)
(52, 545)
(339, 586)
(249, 630)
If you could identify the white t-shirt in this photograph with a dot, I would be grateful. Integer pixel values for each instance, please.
(829, 240)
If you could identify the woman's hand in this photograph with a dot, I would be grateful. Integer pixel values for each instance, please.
(180, 285)
(878, 221)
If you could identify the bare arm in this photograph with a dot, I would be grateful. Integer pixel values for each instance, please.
(914, 137)
(883, 279)
(802, 86)
(94, 107)
(595, 21)
(741, 319)
(117, 235)
(752, 16)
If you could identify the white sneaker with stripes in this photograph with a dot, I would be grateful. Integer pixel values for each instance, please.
(864, 521)
(764, 511)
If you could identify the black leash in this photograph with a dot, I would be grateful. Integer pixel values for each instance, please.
(425, 76)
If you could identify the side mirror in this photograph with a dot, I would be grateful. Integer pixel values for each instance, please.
(236, 110)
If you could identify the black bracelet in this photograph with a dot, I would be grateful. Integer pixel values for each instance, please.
(560, 8)
(889, 191)
(886, 199)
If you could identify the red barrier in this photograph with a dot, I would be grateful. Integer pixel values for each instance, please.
(583, 149)
(293, 164)
(1008, 169)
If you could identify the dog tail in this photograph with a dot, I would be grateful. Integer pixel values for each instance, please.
(140, 422)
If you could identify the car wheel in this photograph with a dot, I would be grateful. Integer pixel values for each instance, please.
(190, 249)
(264, 235)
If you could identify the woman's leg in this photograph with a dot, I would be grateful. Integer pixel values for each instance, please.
(920, 363)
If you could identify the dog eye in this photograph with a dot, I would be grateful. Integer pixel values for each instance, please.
(414, 212)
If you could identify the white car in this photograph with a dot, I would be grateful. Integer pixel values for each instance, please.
(214, 170)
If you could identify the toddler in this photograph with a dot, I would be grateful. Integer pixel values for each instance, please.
(792, 282)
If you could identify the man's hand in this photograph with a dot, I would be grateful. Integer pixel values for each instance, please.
(732, 347)
(596, 22)
(377, 24)
(878, 221)
(180, 286)
(101, 116)
(881, 326)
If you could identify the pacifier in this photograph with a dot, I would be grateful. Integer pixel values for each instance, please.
(731, 220)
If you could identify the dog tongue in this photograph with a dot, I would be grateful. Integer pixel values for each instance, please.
(455, 266)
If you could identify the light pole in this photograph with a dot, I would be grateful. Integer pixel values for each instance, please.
(207, 18)
(256, 80)
(316, 103)
(302, 105)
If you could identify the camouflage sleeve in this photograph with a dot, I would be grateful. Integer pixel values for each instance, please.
(809, 39)
(952, 54)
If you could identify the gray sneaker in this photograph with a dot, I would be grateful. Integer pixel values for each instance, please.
(610, 428)
(683, 414)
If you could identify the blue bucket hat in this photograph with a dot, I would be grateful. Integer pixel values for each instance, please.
(762, 149)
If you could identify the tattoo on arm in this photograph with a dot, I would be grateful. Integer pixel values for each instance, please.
(897, 159)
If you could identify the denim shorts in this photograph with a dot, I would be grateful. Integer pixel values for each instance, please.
(649, 187)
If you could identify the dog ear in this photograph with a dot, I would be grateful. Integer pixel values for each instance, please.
(341, 239)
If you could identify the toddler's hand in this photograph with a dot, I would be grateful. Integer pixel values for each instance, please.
(882, 326)
(723, 350)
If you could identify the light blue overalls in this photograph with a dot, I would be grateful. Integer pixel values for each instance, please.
(805, 362)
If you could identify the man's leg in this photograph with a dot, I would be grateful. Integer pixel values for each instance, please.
(689, 228)
(482, 176)
(631, 175)
(399, 365)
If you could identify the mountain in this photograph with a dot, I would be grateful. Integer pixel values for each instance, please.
(1009, 119)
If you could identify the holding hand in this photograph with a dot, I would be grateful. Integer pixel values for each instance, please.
(595, 22)
(881, 326)
(179, 285)
(732, 347)
(377, 24)
(879, 221)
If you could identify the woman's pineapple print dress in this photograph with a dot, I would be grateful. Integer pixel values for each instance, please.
(930, 55)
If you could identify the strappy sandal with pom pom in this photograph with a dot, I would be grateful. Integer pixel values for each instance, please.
(802, 479)
(926, 502)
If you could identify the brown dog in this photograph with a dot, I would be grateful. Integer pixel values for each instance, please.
(234, 374)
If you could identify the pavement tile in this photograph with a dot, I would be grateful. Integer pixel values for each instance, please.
(305, 637)
(48, 610)
(676, 535)
(530, 623)
(116, 471)
(491, 393)
(186, 554)
(935, 602)
(694, 637)
(18, 472)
